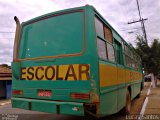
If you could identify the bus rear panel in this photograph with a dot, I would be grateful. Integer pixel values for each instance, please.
(55, 70)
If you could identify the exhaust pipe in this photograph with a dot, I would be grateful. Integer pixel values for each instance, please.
(16, 40)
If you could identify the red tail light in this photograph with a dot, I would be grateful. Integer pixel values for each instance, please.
(17, 92)
(83, 96)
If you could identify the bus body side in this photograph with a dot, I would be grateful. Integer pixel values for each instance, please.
(60, 84)
(116, 75)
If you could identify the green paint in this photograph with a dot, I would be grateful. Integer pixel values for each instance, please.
(56, 35)
(39, 39)
(108, 103)
(48, 106)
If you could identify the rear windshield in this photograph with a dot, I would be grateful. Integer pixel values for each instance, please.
(58, 35)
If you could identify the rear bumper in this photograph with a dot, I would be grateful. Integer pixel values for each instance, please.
(56, 107)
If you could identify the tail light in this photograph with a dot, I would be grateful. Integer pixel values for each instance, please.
(83, 96)
(17, 92)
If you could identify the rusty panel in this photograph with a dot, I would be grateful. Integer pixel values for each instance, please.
(108, 34)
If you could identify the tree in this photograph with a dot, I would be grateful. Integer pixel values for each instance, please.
(154, 63)
(150, 55)
(5, 65)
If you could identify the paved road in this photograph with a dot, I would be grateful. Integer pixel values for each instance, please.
(18, 114)
(153, 104)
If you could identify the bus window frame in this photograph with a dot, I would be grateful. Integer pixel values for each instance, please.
(113, 52)
(121, 52)
(99, 20)
(107, 60)
(105, 47)
(50, 16)
(106, 41)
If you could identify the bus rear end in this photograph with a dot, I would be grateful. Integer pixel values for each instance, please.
(53, 69)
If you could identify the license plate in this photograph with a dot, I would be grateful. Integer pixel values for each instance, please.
(45, 93)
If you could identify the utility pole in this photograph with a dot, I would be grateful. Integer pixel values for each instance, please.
(142, 23)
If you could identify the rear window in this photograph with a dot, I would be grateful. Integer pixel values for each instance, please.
(53, 36)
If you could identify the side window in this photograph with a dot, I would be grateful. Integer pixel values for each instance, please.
(123, 48)
(131, 54)
(101, 49)
(127, 53)
(104, 33)
(118, 52)
(99, 27)
(110, 50)
(108, 34)
(126, 60)
(130, 62)
(118, 55)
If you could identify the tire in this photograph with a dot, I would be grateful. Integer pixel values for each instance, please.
(138, 96)
(128, 103)
(89, 117)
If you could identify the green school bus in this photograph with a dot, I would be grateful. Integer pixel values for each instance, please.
(73, 62)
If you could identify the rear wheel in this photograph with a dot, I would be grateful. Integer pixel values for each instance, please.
(90, 112)
(139, 94)
(128, 103)
(89, 116)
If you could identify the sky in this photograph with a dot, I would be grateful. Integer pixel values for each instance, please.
(117, 12)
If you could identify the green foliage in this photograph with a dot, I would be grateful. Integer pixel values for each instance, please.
(150, 55)
(5, 65)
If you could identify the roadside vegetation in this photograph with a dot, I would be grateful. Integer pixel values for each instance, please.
(5, 65)
(150, 55)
